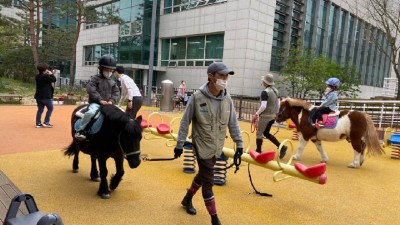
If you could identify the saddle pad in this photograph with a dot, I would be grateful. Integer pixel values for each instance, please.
(329, 121)
(94, 128)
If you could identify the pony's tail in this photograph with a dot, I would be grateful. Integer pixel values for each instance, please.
(371, 138)
(71, 150)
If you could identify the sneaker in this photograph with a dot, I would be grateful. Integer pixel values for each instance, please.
(80, 136)
(47, 125)
(79, 114)
(39, 126)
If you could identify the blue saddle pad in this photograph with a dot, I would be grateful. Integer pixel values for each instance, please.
(95, 126)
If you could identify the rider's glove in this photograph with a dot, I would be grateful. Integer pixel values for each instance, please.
(178, 152)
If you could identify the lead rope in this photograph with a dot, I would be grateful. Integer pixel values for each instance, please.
(254, 188)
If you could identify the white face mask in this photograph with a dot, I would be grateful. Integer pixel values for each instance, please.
(221, 84)
(328, 89)
(107, 74)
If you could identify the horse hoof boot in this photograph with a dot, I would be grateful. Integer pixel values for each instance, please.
(187, 204)
(215, 220)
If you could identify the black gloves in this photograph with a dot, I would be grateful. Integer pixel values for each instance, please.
(236, 158)
(177, 152)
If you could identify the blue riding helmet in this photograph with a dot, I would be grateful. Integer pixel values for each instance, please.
(333, 81)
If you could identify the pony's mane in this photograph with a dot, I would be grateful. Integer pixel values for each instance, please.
(114, 114)
(298, 103)
(117, 116)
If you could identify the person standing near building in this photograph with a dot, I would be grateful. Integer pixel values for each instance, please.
(266, 114)
(44, 94)
(181, 93)
(102, 91)
(130, 91)
(212, 112)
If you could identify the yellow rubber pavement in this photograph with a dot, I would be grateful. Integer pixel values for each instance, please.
(151, 194)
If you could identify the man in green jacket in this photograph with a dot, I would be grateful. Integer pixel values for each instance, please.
(211, 112)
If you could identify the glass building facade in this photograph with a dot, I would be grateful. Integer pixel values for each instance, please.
(332, 32)
(133, 45)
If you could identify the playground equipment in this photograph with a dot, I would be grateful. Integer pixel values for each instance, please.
(35, 217)
(394, 143)
(299, 171)
(189, 158)
(291, 126)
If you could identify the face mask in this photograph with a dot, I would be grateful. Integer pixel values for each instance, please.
(328, 89)
(107, 74)
(221, 84)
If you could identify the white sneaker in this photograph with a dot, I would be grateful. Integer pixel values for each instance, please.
(80, 136)
(79, 114)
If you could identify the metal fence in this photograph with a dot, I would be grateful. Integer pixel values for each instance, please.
(384, 113)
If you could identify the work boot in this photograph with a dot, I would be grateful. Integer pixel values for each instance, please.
(215, 220)
(187, 204)
(283, 152)
(259, 143)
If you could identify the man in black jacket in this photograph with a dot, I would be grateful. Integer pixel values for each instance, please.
(44, 94)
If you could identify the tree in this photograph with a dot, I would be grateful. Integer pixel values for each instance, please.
(304, 74)
(85, 13)
(385, 15)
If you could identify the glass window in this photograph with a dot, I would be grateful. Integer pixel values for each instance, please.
(195, 47)
(125, 4)
(167, 3)
(136, 13)
(97, 52)
(178, 48)
(214, 46)
(125, 14)
(165, 49)
(89, 53)
(279, 26)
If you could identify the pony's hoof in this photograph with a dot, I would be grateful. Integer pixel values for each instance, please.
(105, 196)
(324, 161)
(96, 179)
(353, 166)
(295, 157)
(75, 170)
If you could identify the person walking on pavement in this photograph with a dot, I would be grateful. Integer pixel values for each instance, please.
(265, 115)
(211, 112)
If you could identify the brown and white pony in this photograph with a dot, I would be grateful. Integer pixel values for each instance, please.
(354, 126)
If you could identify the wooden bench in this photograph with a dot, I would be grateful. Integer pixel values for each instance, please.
(10, 97)
(7, 192)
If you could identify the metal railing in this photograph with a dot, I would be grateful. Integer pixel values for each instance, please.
(384, 113)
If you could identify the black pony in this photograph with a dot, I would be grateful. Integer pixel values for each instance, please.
(119, 137)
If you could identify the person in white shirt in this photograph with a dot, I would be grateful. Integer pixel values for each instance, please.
(130, 91)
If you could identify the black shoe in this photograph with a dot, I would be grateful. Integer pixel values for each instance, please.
(187, 204)
(215, 220)
(283, 152)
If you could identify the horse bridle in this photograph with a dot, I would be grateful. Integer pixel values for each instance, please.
(127, 154)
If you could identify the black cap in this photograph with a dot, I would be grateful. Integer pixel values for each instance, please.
(219, 67)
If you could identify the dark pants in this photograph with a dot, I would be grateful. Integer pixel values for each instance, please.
(269, 136)
(41, 103)
(137, 103)
(318, 113)
(205, 176)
